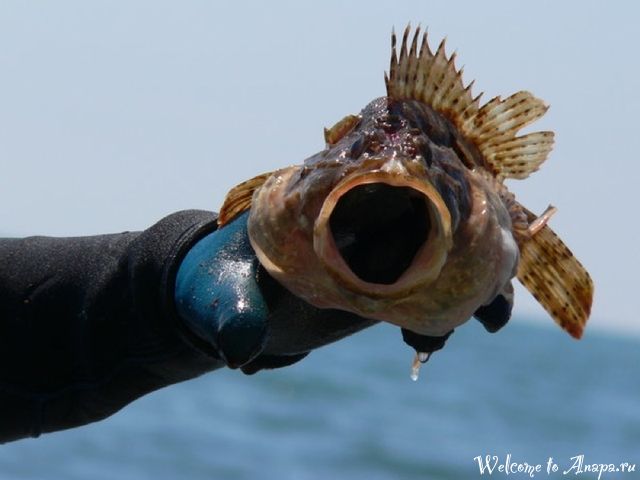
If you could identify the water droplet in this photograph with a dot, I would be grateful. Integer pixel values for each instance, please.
(415, 368)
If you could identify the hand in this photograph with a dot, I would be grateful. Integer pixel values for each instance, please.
(227, 299)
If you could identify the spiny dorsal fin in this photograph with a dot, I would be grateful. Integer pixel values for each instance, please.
(239, 198)
(556, 279)
(429, 78)
(433, 79)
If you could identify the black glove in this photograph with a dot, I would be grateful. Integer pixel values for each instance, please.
(89, 324)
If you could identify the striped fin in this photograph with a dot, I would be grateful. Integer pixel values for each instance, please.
(521, 156)
(239, 198)
(556, 279)
(432, 78)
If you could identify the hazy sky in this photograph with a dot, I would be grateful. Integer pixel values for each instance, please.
(114, 114)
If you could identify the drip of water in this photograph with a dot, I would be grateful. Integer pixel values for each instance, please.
(419, 359)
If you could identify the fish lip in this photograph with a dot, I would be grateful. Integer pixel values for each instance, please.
(427, 262)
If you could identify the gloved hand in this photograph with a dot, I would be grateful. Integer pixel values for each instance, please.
(228, 300)
(92, 323)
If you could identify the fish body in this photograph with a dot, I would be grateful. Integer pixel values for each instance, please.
(404, 217)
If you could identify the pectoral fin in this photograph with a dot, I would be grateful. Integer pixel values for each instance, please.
(239, 198)
(556, 279)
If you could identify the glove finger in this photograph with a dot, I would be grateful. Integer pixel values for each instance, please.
(268, 362)
(495, 315)
(424, 343)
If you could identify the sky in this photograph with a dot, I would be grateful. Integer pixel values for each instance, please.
(115, 114)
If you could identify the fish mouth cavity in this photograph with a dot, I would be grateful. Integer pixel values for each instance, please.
(377, 233)
(378, 229)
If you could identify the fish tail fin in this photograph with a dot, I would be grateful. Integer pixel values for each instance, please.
(556, 278)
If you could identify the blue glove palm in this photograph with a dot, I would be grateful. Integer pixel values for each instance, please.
(218, 296)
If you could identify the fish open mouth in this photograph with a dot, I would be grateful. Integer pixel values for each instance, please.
(378, 229)
(378, 233)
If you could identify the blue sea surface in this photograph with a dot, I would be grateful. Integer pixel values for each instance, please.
(350, 411)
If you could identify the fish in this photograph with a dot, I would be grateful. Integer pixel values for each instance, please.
(405, 216)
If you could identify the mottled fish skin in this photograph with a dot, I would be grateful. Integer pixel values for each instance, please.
(394, 141)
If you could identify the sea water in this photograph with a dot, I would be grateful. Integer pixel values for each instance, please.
(526, 396)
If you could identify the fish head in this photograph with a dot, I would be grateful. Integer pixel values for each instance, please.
(370, 223)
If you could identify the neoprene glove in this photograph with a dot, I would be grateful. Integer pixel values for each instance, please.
(89, 324)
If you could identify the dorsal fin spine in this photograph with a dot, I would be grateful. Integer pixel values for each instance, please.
(432, 78)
